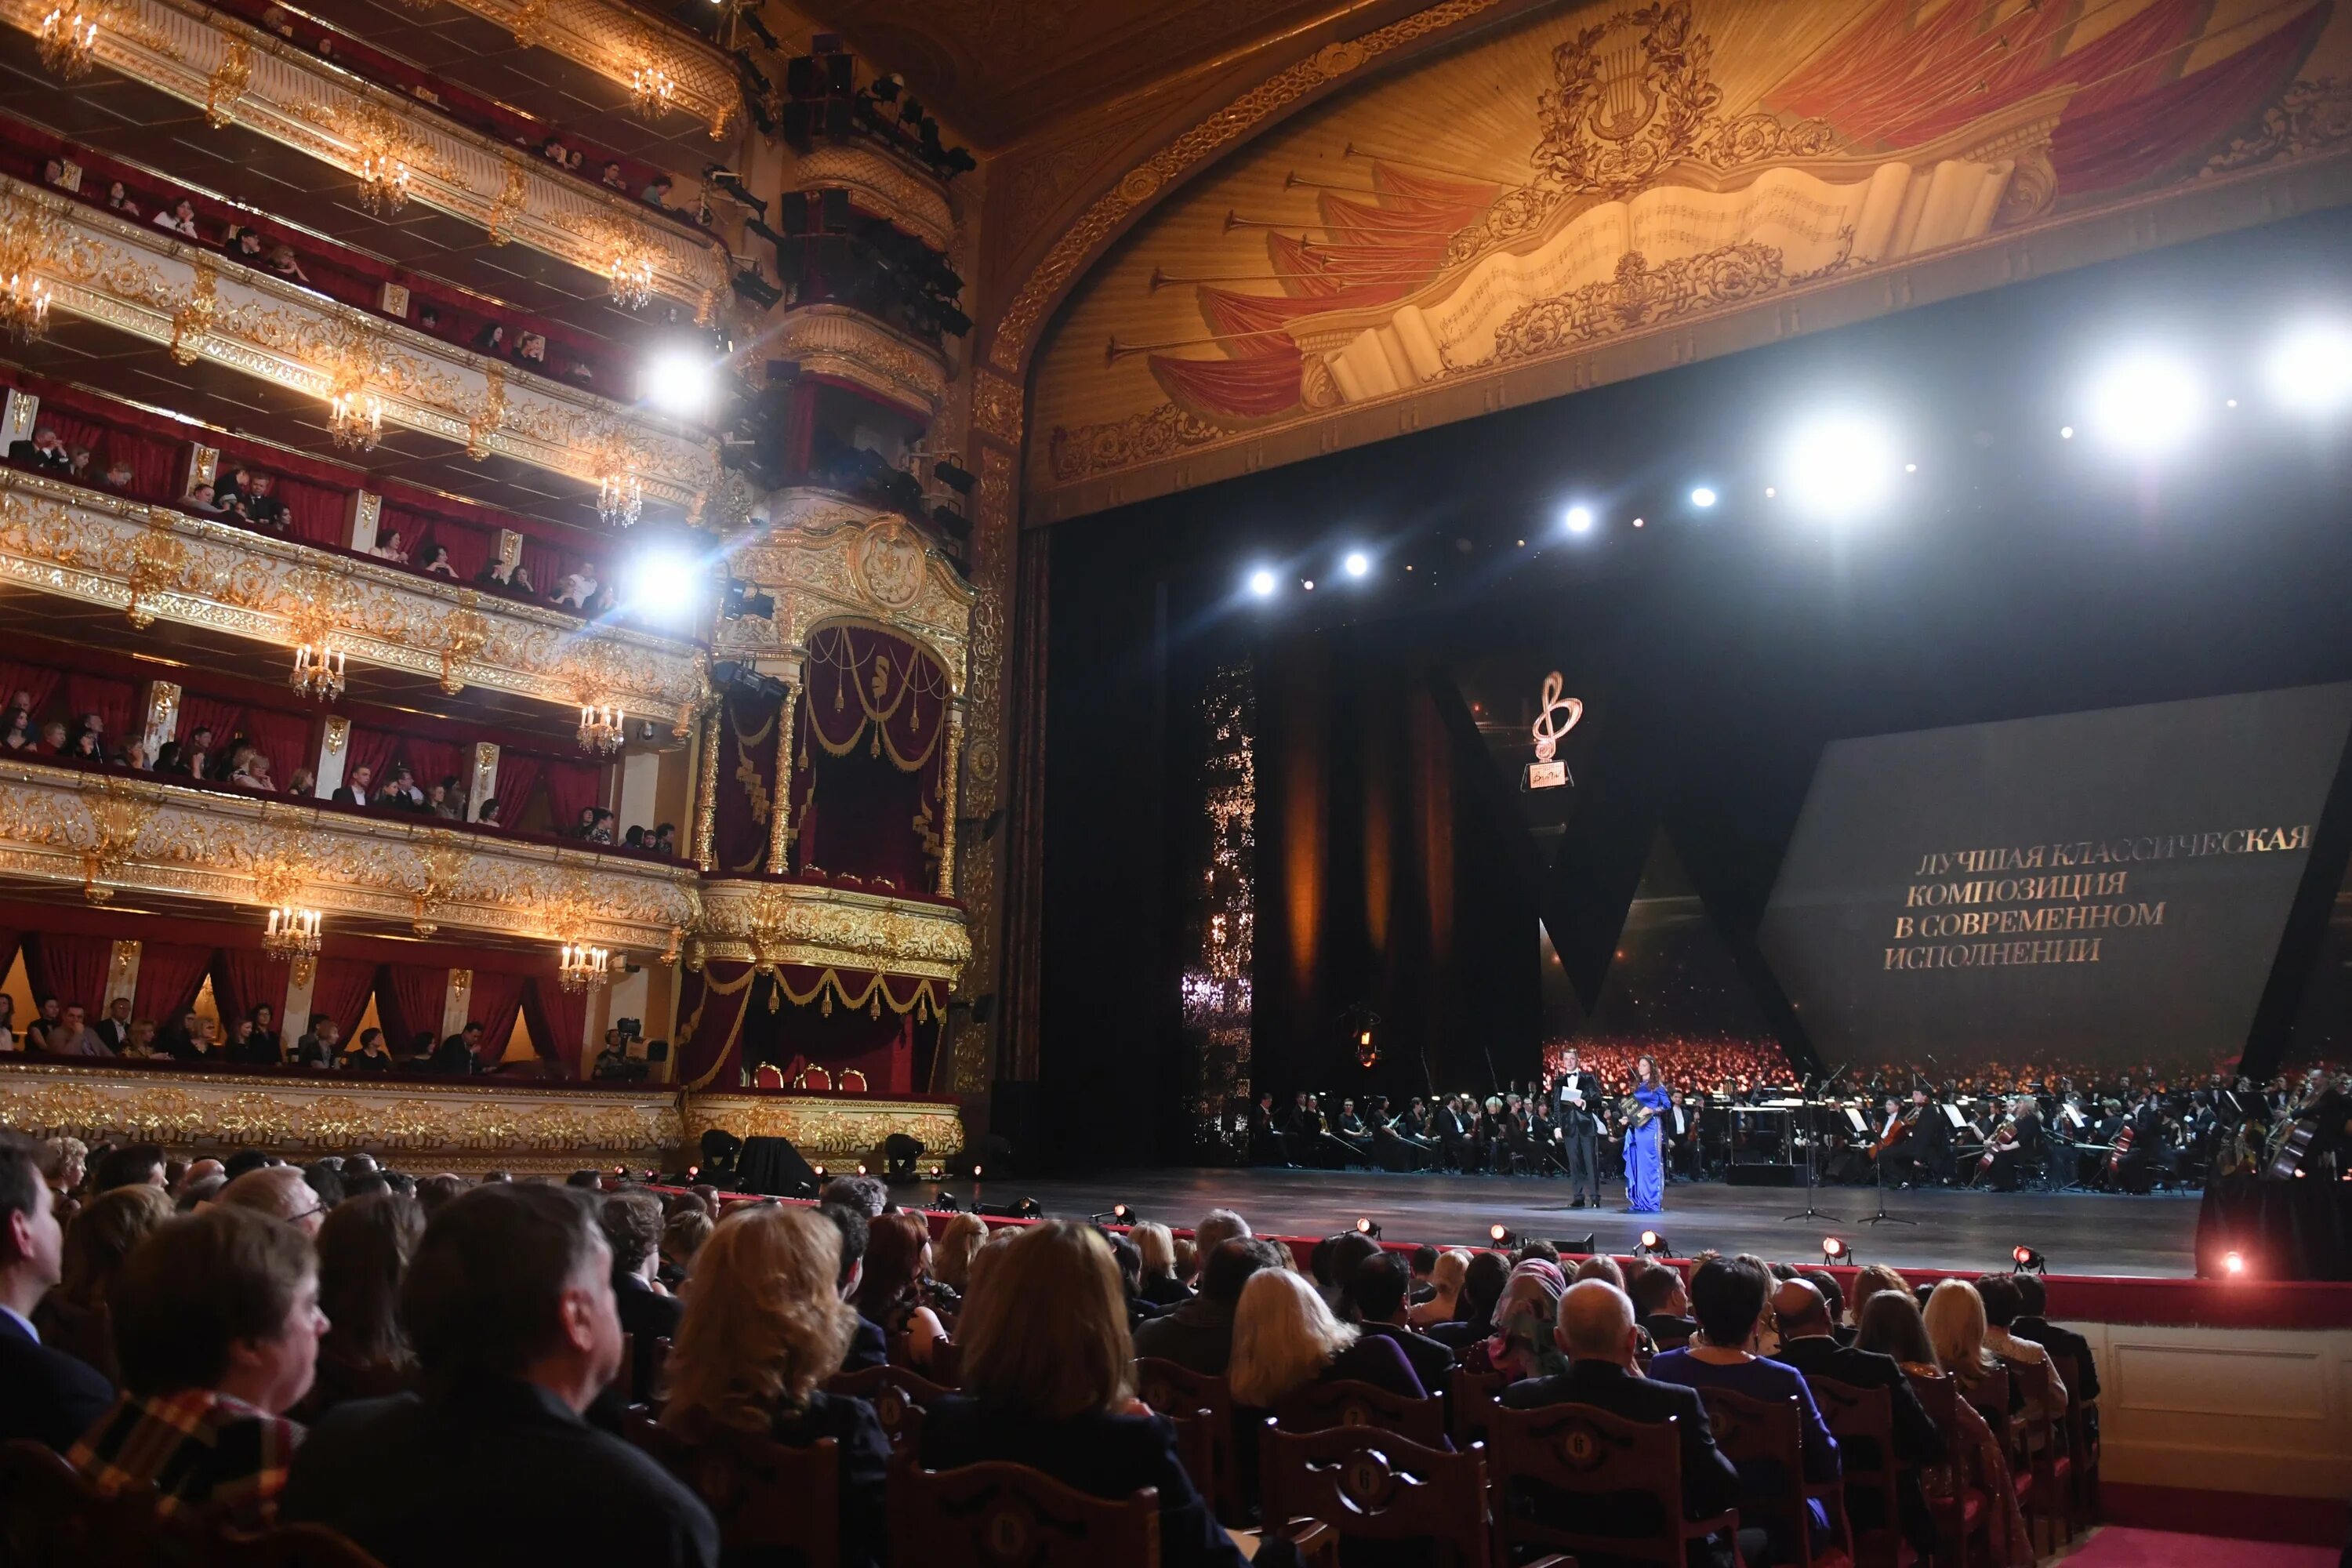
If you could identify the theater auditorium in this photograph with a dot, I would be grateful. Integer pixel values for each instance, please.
(906, 784)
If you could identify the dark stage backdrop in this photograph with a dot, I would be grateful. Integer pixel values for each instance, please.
(2105, 891)
(1718, 654)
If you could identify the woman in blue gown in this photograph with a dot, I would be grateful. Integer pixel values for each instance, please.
(1645, 1168)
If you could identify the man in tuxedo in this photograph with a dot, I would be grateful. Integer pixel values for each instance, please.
(2033, 1323)
(1576, 1100)
(1808, 1344)
(357, 788)
(113, 1031)
(44, 1394)
(1596, 1332)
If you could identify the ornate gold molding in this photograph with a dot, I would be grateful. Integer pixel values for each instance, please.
(107, 833)
(834, 340)
(135, 277)
(181, 47)
(826, 557)
(616, 41)
(770, 923)
(882, 185)
(159, 565)
(840, 1129)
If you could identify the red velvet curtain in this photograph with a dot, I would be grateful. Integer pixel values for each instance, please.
(116, 703)
(286, 738)
(249, 978)
(433, 760)
(495, 1004)
(317, 513)
(170, 975)
(198, 711)
(71, 968)
(869, 750)
(862, 675)
(372, 750)
(471, 548)
(557, 1018)
(517, 777)
(549, 563)
(341, 991)
(418, 993)
(711, 1022)
(38, 682)
(570, 788)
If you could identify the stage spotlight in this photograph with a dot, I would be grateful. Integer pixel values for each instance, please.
(1118, 1214)
(1368, 1226)
(1839, 465)
(667, 584)
(1357, 563)
(1639, 523)
(1500, 1234)
(2147, 401)
(681, 381)
(1580, 519)
(1702, 498)
(1029, 1209)
(1261, 583)
(2311, 370)
(819, 1173)
(1836, 1249)
(2234, 1263)
(2025, 1260)
(2065, 432)
(1309, 585)
(1653, 1244)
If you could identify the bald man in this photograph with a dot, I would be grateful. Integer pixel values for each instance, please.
(1808, 1344)
(281, 1191)
(1595, 1331)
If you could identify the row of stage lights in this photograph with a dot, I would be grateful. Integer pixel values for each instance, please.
(1841, 466)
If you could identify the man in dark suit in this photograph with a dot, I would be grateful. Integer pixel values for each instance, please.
(2033, 1324)
(1377, 1288)
(632, 1223)
(1808, 1344)
(1597, 1333)
(510, 1302)
(868, 1344)
(44, 1394)
(43, 451)
(1663, 1299)
(1199, 1334)
(357, 788)
(113, 1031)
(1577, 1100)
(457, 1056)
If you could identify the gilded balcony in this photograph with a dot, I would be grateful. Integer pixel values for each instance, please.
(881, 185)
(137, 279)
(155, 564)
(772, 924)
(400, 150)
(836, 340)
(111, 835)
(824, 556)
(628, 47)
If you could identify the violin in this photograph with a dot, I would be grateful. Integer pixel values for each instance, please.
(1902, 1125)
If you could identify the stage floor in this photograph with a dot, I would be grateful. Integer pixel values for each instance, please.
(1966, 1232)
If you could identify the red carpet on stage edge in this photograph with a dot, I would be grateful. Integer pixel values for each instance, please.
(2120, 1546)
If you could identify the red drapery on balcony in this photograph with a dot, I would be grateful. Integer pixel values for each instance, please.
(198, 711)
(116, 703)
(170, 975)
(341, 990)
(470, 549)
(372, 750)
(70, 967)
(38, 682)
(416, 993)
(248, 979)
(869, 752)
(571, 787)
(713, 1003)
(495, 1004)
(518, 777)
(288, 740)
(557, 1018)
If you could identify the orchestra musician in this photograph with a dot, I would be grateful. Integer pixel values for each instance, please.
(1916, 1142)
(1454, 1130)
(1576, 1098)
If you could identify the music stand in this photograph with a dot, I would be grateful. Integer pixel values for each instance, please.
(1882, 1217)
(1804, 1108)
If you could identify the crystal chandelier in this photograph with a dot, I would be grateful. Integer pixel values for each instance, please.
(620, 498)
(69, 36)
(292, 933)
(31, 239)
(385, 171)
(355, 419)
(651, 88)
(584, 968)
(600, 728)
(318, 669)
(631, 270)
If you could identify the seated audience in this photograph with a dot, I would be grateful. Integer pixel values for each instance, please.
(898, 1251)
(1522, 1344)
(2003, 1302)
(364, 1252)
(683, 1235)
(1728, 1296)
(1199, 1334)
(77, 1316)
(2032, 1324)
(1808, 1344)
(952, 1250)
(373, 1056)
(130, 1165)
(282, 1193)
(390, 547)
(357, 788)
(47, 450)
(1047, 1370)
(868, 1346)
(1445, 1276)
(217, 1323)
(1286, 1338)
(1955, 1316)
(632, 1223)
(1663, 1303)
(254, 773)
(1599, 1338)
(763, 1331)
(1891, 1326)
(1377, 1292)
(509, 1302)
(437, 561)
(46, 1395)
(179, 218)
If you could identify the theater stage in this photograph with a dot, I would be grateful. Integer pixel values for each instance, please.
(2076, 1233)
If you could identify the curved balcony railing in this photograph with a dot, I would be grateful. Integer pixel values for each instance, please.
(138, 280)
(619, 42)
(818, 925)
(839, 341)
(236, 73)
(880, 185)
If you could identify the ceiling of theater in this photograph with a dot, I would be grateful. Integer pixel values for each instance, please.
(998, 69)
(1592, 192)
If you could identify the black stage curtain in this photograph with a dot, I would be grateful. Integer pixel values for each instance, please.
(2287, 1230)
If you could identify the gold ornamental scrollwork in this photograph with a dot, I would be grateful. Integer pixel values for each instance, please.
(441, 860)
(117, 819)
(192, 319)
(227, 84)
(159, 561)
(464, 634)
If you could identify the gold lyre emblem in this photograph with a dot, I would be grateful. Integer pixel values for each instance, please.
(1550, 732)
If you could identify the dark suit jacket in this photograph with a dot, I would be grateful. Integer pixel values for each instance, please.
(2065, 1341)
(647, 1315)
(1103, 1456)
(491, 1472)
(111, 1035)
(1198, 1336)
(1669, 1331)
(868, 1346)
(25, 452)
(345, 795)
(1710, 1484)
(863, 1456)
(45, 1395)
(1431, 1361)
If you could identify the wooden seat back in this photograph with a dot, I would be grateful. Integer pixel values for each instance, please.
(1758, 1433)
(771, 1501)
(1866, 1416)
(1174, 1389)
(1471, 1397)
(1318, 1406)
(1371, 1485)
(1588, 1453)
(1009, 1516)
(898, 1397)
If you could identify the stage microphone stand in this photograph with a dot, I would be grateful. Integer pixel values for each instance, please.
(1882, 1217)
(1804, 1107)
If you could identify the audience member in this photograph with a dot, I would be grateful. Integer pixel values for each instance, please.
(2003, 1301)
(952, 1250)
(1891, 1325)
(1523, 1343)
(45, 1395)
(868, 1346)
(216, 1323)
(364, 1252)
(1286, 1338)
(764, 1329)
(2033, 1324)
(897, 1249)
(1199, 1334)
(132, 1165)
(1377, 1291)
(281, 1191)
(77, 1316)
(1446, 1277)
(632, 1224)
(1808, 1344)
(509, 1302)
(867, 1194)
(683, 1235)
(1955, 1316)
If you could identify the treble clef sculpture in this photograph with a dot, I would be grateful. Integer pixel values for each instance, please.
(1549, 735)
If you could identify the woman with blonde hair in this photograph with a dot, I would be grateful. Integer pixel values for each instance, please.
(1286, 1338)
(764, 1326)
(1155, 1243)
(952, 1250)
(1049, 1375)
(1445, 1281)
(1955, 1316)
